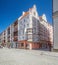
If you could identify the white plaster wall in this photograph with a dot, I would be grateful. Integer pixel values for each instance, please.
(55, 24)
(56, 33)
(6, 35)
(3, 36)
(10, 33)
(23, 25)
(35, 23)
(55, 5)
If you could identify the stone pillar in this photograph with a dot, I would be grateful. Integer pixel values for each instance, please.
(30, 46)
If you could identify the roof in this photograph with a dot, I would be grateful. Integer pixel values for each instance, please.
(25, 14)
(40, 17)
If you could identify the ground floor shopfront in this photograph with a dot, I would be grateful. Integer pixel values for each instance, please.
(29, 45)
(34, 45)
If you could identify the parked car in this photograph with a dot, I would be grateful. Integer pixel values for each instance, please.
(1, 46)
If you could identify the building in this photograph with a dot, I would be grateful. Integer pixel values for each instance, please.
(29, 31)
(55, 24)
(46, 33)
(0, 38)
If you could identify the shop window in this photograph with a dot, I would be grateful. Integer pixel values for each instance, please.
(22, 44)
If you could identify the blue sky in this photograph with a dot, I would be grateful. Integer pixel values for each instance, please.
(10, 10)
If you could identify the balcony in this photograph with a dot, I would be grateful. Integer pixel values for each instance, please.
(29, 31)
(15, 38)
(15, 23)
(15, 29)
(4, 33)
(8, 35)
(8, 31)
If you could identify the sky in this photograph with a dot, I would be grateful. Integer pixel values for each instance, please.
(10, 10)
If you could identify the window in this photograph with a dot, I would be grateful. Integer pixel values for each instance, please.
(29, 30)
(8, 31)
(22, 44)
(29, 36)
(34, 13)
(27, 24)
(20, 22)
(23, 31)
(34, 30)
(24, 20)
(27, 16)
(24, 25)
(22, 37)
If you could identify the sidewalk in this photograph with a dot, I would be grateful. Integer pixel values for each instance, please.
(27, 57)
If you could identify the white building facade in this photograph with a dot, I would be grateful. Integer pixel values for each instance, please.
(55, 24)
(30, 31)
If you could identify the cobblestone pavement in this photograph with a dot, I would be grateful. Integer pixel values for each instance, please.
(27, 57)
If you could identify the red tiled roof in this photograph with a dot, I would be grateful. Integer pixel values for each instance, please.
(25, 14)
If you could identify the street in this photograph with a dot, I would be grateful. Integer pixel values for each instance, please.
(27, 57)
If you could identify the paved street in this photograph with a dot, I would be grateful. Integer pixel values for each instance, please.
(27, 57)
